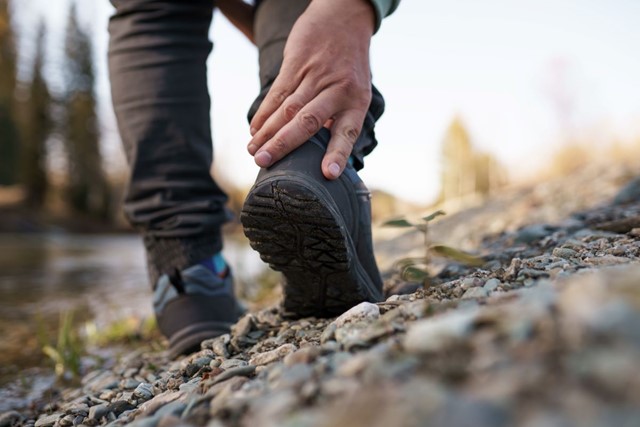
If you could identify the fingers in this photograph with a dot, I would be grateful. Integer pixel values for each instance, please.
(306, 123)
(344, 134)
(283, 86)
(278, 119)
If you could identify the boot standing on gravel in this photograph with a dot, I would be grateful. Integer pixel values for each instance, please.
(311, 125)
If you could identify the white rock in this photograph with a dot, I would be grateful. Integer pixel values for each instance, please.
(273, 355)
(438, 332)
(362, 311)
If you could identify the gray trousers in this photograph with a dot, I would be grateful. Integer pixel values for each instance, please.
(157, 64)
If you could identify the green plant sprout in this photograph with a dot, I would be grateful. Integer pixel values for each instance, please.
(415, 269)
(67, 353)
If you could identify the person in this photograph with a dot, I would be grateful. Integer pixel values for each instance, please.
(311, 125)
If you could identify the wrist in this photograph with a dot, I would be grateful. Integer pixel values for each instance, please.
(360, 14)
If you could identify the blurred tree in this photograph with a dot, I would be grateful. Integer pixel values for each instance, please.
(88, 190)
(458, 176)
(9, 138)
(466, 171)
(36, 129)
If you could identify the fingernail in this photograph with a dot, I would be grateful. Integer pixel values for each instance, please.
(334, 170)
(253, 131)
(263, 159)
(251, 148)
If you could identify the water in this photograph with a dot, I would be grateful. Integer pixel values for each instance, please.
(99, 278)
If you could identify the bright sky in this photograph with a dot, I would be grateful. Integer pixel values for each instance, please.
(496, 63)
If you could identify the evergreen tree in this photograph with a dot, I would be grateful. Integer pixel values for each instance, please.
(9, 138)
(37, 128)
(88, 191)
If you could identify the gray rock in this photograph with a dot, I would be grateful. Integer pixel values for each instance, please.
(129, 384)
(273, 355)
(564, 253)
(202, 361)
(473, 293)
(98, 411)
(144, 391)
(8, 419)
(119, 406)
(244, 371)
(329, 333)
(48, 420)
(232, 363)
(438, 332)
(363, 311)
(629, 193)
(533, 233)
(491, 285)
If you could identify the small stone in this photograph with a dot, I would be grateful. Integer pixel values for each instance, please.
(48, 420)
(470, 282)
(232, 363)
(244, 371)
(9, 419)
(533, 233)
(273, 355)
(119, 406)
(129, 384)
(473, 293)
(329, 333)
(202, 361)
(98, 411)
(438, 332)
(629, 193)
(564, 253)
(144, 391)
(363, 311)
(492, 284)
(158, 401)
(66, 421)
(304, 355)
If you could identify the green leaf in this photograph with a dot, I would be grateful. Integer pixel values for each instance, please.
(402, 223)
(433, 216)
(457, 255)
(414, 274)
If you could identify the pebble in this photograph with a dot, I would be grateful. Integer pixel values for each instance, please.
(492, 284)
(144, 391)
(232, 363)
(273, 355)
(48, 420)
(363, 311)
(436, 333)
(473, 293)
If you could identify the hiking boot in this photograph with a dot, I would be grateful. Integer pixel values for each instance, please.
(315, 231)
(192, 305)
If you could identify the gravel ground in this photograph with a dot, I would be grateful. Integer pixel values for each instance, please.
(546, 333)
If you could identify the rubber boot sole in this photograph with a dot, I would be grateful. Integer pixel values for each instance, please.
(297, 228)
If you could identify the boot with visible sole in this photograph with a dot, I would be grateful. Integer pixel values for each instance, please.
(315, 231)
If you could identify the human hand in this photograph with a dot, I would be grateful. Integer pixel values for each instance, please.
(325, 80)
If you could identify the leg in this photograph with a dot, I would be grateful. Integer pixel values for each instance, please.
(157, 62)
(316, 232)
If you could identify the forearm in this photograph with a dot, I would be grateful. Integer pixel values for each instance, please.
(240, 14)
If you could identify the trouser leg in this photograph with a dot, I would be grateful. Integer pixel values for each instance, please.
(273, 22)
(157, 63)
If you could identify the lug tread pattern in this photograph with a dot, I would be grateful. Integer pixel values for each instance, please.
(296, 234)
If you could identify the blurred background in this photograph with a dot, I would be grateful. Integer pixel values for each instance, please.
(481, 95)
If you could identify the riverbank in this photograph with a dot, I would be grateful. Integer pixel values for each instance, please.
(546, 333)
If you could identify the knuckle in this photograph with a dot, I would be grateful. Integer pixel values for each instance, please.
(291, 109)
(279, 96)
(310, 123)
(280, 145)
(350, 134)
